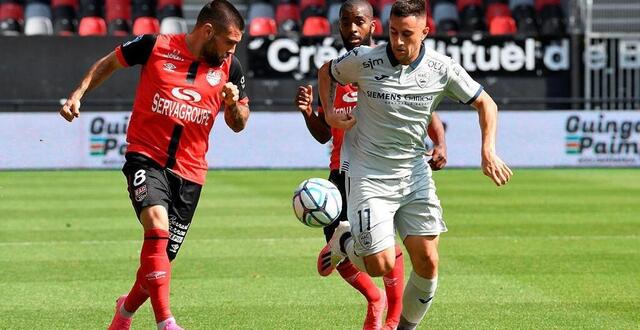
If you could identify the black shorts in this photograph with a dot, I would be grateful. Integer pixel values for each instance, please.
(151, 184)
(337, 178)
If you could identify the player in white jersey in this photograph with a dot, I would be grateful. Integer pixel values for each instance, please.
(389, 185)
(356, 27)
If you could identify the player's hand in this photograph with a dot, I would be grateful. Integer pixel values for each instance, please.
(438, 157)
(340, 120)
(496, 169)
(230, 94)
(70, 109)
(304, 100)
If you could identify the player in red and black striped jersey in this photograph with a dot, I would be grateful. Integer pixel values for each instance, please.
(356, 27)
(185, 80)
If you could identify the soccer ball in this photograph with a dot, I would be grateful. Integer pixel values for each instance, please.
(317, 202)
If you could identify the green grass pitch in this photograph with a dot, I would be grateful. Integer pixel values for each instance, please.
(553, 249)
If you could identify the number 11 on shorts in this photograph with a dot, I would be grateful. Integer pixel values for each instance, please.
(367, 218)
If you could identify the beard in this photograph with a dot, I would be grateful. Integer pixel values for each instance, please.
(366, 41)
(214, 59)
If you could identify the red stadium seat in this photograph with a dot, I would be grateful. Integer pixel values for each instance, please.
(316, 26)
(72, 3)
(308, 3)
(146, 25)
(92, 26)
(496, 9)
(539, 4)
(117, 9)
(163, 3)
(287, 11)
(379, 29)
(382, 3)
(11, 10)
(262, 27)
(431, 24)
(501, 25)
(462, 4)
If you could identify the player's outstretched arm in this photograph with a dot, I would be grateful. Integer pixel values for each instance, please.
(327, 91)
(436, 134)
(316, 124)
(492, 165)
(100, 71)
(236, 113)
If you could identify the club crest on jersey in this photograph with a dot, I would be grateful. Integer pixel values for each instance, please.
(213, 77)
(364, 239)
(422, 78)
(350, 97)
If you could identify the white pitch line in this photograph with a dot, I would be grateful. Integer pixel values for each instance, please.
(304, 239)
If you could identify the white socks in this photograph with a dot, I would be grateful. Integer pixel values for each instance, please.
(162, 324)
(418, 296)
(124, 312)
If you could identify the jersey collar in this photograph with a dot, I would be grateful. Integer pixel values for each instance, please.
(395, 62)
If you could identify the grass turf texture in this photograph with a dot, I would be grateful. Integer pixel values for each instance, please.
(553, 249)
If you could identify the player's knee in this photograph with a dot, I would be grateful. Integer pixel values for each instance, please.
(154, 217)
(428, 265)
(380, 265)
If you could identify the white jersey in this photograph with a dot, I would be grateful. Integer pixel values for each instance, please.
(395, 103)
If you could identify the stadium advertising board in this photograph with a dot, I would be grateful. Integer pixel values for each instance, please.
(281, 140)
(285, 57)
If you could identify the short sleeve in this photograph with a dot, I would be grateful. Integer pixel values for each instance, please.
(346, 68)
(461, 86)
(236, 76)
(136, 51)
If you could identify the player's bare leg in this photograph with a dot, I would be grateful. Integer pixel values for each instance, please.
(423, 281)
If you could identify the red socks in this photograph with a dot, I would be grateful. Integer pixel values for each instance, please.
(394, 287)
(153, 276)
(359, 280)
(137, 296)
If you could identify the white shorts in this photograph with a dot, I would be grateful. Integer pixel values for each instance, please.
(378, 207)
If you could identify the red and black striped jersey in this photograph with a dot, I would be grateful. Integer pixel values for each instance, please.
(346, 99)
(176, 102)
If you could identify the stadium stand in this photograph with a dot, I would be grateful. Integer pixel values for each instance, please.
(11, 18)
(316, 26)
(146, 25)
(37, 19)
(446, 17)
(262, 26)
(450, 17)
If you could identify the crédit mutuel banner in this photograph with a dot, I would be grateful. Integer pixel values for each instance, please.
(281, 140)
(285, 57)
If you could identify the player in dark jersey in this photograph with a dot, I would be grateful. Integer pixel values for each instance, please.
(184, 81)
(356, 27)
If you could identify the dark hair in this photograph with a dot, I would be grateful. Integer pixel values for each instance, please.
(221, 14)
(406, 8)
(353, 3)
